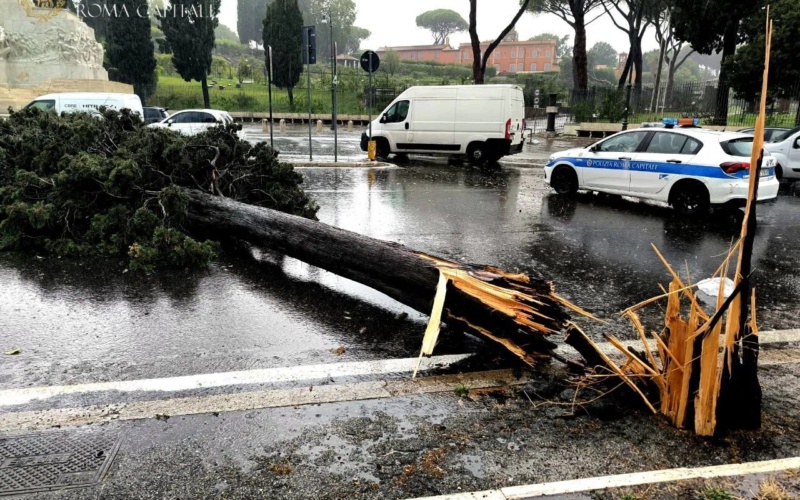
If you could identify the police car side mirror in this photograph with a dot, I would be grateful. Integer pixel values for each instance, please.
(594, 148)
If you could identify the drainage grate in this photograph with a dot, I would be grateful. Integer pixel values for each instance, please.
(50, 461)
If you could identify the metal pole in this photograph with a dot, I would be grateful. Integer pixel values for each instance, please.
(269, 92)
(369, 100)
(627, 107)
(335, 83)
(308, 92)
(369, 103)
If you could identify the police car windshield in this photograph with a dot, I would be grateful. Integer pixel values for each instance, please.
(738, 147)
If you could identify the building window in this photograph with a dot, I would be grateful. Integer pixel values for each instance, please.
(497, 68)
(520, 68)
(513, 54)
(413, 55)
(419, 55)
(512, 68)
(547, 66)
(547, 54)
(535, 53)
(533, 67)
(466, 55)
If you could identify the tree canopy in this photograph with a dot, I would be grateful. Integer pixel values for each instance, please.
(76, 185)
(602, 54)
(283, 31)
(225, 33)
(129, 48)
(191, 39)
(745, 68)
(441, 23)
(339, 14)
(563, 48)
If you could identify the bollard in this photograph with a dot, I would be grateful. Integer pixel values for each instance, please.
(552, 111)
(371, 150)
(350, 126)
(319, 125)
(282, 125)
(265, 126)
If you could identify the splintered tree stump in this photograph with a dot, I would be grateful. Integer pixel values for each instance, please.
(512, 310)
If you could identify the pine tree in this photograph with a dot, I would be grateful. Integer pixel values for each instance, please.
(129, 47)
(283, 31)
(250, 19)
(189, 29)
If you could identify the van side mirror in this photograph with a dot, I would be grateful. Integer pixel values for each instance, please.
(169, 123)
(797, 143)
(383, 118)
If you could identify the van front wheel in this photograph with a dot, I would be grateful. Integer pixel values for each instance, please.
(382, 149)
(477, 154)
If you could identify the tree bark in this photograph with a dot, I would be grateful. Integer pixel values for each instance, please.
(206, 98)
(580, 61)
(477, 72)
(723, 87)
(479, 64)
(511, 310)
(654, 100)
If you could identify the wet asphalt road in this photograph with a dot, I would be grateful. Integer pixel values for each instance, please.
(93, 321)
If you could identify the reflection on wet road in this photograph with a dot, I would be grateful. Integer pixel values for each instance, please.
(91, 322)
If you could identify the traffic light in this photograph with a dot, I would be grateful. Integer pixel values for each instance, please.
(309, 44)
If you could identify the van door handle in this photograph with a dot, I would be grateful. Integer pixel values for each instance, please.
(624, 158)
(406, 125)
(674, 161)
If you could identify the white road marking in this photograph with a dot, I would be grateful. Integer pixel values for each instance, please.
(60, 417)
(12, 397)
(623, 480)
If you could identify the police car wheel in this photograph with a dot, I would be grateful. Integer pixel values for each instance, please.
(564, 181)
(690, 199)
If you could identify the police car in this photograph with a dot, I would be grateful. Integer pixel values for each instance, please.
(689, 168)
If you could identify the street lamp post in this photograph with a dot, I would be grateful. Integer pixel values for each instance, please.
(328, 19)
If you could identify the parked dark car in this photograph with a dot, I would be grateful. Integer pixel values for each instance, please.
(154, 115)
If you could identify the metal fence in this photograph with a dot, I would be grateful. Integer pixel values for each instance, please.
(694, 99)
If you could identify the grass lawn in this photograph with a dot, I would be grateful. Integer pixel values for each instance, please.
(173, 92)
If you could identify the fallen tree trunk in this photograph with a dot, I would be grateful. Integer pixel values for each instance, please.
(510, 309)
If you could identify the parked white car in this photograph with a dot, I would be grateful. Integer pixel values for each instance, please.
(483, 122)
(689, 168)
(786, 150)
(194, 121)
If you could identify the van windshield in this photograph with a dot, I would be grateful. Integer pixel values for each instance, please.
(44, 105)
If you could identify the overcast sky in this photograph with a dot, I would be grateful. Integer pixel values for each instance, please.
(392, 22)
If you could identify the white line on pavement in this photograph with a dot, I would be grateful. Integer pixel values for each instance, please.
(623, 480)
(12, 397)
(273, 398)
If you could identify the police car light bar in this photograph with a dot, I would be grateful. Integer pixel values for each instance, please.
(681, 122)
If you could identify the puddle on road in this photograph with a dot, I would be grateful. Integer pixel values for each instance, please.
(88, 321)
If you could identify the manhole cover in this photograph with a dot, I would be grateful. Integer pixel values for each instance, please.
(50, 461)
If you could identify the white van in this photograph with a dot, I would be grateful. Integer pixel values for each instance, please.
(483, 122)
(87, 102)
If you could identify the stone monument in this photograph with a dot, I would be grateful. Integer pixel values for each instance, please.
(45, 50)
